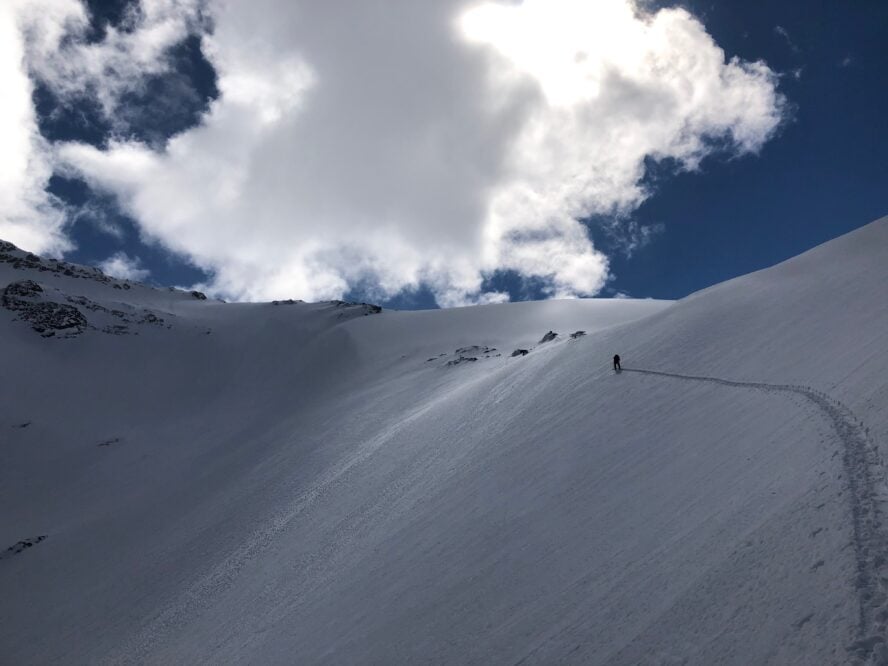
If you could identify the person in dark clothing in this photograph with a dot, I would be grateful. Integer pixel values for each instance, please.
(617, 362)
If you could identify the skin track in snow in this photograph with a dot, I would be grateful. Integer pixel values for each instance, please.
(868, 491)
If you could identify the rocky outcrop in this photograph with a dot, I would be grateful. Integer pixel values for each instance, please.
(50, 319)
(461, 359)
(52, 313)
(548, 337)
(21, 260)
(468, 354)
(21, 546)
(130, 316)
(363, 308)
(47, 318)
(16, 294)
(479, 350)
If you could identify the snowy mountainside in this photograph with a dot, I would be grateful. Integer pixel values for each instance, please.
(323, 483)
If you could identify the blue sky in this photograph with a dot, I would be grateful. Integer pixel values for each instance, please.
(823, 175)
(708, 214)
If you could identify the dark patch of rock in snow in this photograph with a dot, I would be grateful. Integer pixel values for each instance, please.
(577, 334)
(49, 318)
(21, 260)
(475, 349)
(548, 337)
(46, 317)
(461, 359)
(15, 294)
(356, 309)
(519, 352)
(21, 546)
(468, 354)
(55, 314)
(127, 317)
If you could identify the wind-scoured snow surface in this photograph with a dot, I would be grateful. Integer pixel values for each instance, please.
(189, 481)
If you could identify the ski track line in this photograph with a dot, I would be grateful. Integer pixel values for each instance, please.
(221, 577)
(865, 476)
(860, 460)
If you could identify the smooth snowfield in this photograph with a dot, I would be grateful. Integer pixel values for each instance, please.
(301, 483)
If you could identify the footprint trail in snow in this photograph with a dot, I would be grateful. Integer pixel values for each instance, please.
(867, 490)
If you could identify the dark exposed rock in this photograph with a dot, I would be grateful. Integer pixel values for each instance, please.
(577, 334)
(109, 442)
(468, 354)
(45, 317)
(519, 352)
(88, 304)
(33, 304)
(21, 546)
(51, 318)
(475, 349)
(16, 293)
(548, 337)
(461, 359)
(132, 317)
(21, 260)
(289, 301)
(365, 308)
(199, 295)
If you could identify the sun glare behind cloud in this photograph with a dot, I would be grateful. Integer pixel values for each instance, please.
(565, 45)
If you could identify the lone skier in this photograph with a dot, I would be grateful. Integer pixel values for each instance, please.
(617, 367)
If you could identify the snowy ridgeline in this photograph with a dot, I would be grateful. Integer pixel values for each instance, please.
(188, 481)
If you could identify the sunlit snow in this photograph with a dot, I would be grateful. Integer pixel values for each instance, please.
(301, 483)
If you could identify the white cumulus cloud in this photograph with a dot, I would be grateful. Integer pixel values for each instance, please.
(120, 265)
(396, 142)
(60, 56)
(44, 41)
(29, 217)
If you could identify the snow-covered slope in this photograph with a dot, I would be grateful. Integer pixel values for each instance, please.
(322, 483)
